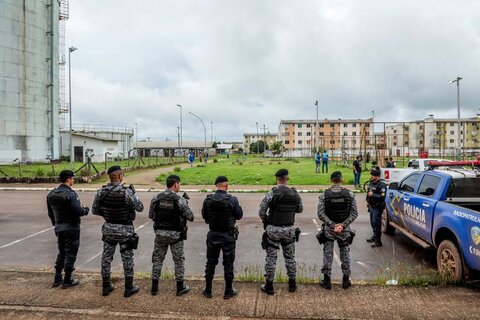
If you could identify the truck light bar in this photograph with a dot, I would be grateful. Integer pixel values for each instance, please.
(434, 164)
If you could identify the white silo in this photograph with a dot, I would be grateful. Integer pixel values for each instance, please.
(28, 79)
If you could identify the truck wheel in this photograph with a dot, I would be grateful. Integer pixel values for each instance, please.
(449, 260)
(386, 227)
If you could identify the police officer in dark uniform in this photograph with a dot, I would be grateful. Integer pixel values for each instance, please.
(337, 209)
(117, 204)
(282, 203)
(65, 210)
(220, 211)
(170, 213)
(376, 204)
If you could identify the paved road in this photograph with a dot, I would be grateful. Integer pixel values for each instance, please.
(28, 241)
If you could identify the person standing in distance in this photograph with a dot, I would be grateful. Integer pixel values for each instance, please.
(376, 204)
(117, 205)
(220, 211)
(317, 162)
(337, 209)
(282, 203)
(65, 210)
(325, 161)
(170, 213)
(357, 171)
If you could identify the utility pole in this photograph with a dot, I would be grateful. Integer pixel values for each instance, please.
(264, 141)
(70, 50)
(211, 131)
(181, 129)
(257, 136)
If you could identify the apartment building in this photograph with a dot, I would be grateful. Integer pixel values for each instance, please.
(350, 135)
(249, 138)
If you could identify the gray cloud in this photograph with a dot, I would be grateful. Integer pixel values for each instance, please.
(240, 62)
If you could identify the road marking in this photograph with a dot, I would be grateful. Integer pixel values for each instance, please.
(6, 217)
(361, 263)
(335, 255)
(99, 253)
(28, 237)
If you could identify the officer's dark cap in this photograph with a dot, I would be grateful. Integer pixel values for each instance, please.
(174, 177)
(336, 175)
(113, 169)
(221, 179)
(65, 174)
(281, 173)
(375, 173)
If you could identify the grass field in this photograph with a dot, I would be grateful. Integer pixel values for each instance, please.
(46, 170)
(260, 171)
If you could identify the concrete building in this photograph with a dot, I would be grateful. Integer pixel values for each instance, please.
(249, 138)
(96, 147)
(336, 136)
(29, 80)
(172, 148)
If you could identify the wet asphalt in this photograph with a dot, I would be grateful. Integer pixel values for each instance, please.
(27, 240)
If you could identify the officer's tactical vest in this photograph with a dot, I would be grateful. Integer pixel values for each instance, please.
(337, 205)
(167, 212)
(376, 188)
(114, 207)
(220, 214)
(60, 205)
(283, 206)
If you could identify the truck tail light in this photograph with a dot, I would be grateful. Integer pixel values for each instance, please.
(387, 174)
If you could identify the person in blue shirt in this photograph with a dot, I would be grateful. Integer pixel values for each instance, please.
(325, 161)
(191, 158)
(317, 162)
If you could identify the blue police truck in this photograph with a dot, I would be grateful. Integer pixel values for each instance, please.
(440, 209)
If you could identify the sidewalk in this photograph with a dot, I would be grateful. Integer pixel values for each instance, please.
(28, 295)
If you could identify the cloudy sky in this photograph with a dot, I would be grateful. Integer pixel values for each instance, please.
(235, 63)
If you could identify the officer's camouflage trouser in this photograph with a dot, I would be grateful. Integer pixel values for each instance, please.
(113, 234)
(283, 237)
(328, 252)
(161, 244)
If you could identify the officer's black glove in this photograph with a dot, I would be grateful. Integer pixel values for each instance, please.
(132, 187)
(86, 210)
(185, 196)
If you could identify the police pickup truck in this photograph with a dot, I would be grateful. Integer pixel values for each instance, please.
(440, 209)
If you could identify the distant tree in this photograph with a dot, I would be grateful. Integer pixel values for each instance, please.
(261, 146)
(277, 147)
(214, 145)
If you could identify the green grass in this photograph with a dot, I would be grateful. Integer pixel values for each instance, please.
(260, 171)
(45, 170)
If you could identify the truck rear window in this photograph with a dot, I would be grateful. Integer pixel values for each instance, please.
(464, 188)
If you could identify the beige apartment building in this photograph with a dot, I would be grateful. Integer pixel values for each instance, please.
(249, 138)
(336, 136)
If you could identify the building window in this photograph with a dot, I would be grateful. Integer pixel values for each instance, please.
(332, 133)
(287, 141)
(451, 124)
(452, 132)
(367, 125)
(308, 125)
(451, 140)
(299, 134)
(299, 125)
(299, 141)
(332, 141)
(287, 134)
(320, 125)
(394, 143)
(332, 125)
(345, 133)
(354, 141)
(308, 134)
(367, 141)
(394, 131)
(345, 125)
(354, 133)
(321, 133)
(354, 125)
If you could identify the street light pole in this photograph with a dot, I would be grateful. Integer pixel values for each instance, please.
(373, 132)
(257, 137)
(136, 137)
(181, 129)
(70, 50)
(459, 142)
(204, 131)
(316, 129)
(211, 131)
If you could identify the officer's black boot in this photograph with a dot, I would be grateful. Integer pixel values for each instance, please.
(346, 283)
(182, 289)
(130, 289)
(229, 291)
(154, 287)
(371, 239)
(68, 281)
(207, 292)
(292, 285)
(326, 282)
(57, 280)
(268, 288)
(107, 286)
(377, 243)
